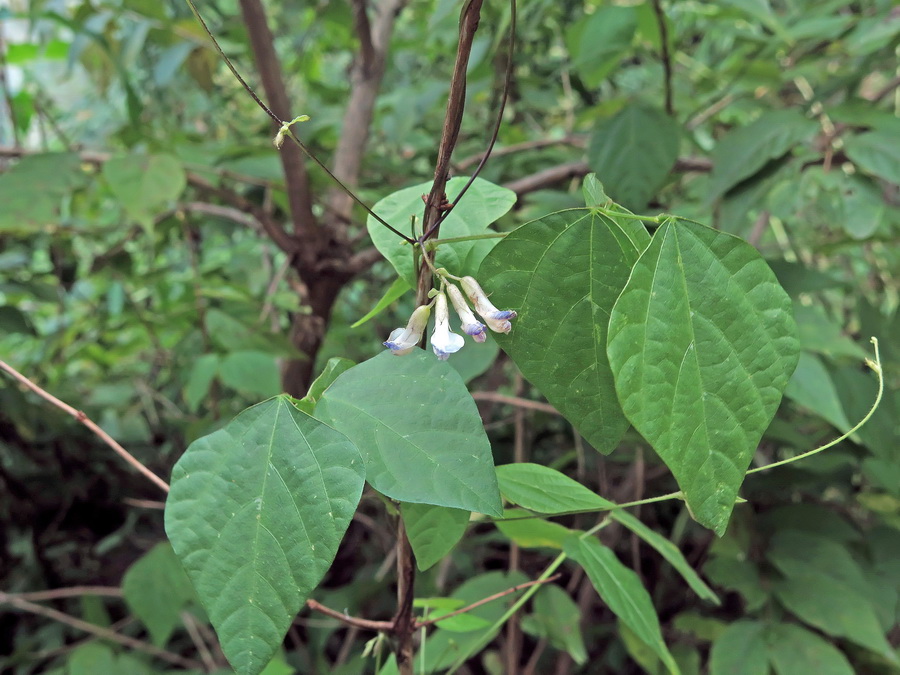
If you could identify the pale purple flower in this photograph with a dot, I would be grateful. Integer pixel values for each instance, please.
(496, 319)
(444, 342)
(470, 325)
(403, 340)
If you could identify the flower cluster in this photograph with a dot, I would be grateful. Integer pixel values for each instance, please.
(444, 341)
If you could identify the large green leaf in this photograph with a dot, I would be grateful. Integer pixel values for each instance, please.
(633, 153)
(143, 184)
(433, 531)
(419, 431)
(877, 152)
(746, 150)
(622, 591)
(599, 41)
(524, 529)
(562, 274)
(702, 342)
(255, 514)
(156, 589)
(482, 204)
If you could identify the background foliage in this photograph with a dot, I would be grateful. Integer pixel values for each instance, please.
(141, 282)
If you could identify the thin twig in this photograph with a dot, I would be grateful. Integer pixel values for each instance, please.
(366, 624)
(99, 631)
(190, 624)
(86, 421)
(515, 401)
(72, 592)
(664, 55)
(490, 598)
(539, 144)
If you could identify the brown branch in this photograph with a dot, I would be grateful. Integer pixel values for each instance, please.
(471, 160)
(72, 592)
(664, 55)
(515, 401)
(366, 75)
(490, 598)
(366, 624)
(99, 631)
(886, 90)
(404, 624)
(86, 421)
(555, 174)
(292, 162)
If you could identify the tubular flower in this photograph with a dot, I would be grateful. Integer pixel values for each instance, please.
(403, 340)
(443, 341)
(470, 325)
(496, 319)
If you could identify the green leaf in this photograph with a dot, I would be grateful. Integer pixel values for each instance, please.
(333, 369)
(557, 618)
(482, 204)
(255, 514)
(819, 333)
(622, 591)
(593, 191)
(475, 359)
(395, 291)
(251, 372)
(794, 649)
(525, 530)
(811, 387)
(92, 658)
(13, 320)
(598, 42)
(633, 152)
(156, 589)
(33, 189)
(433, 531)
(876, 152)
(670, 552)
(144, 184)
(740, 650)
(200, 379)
(746, 150)
(562, 274)
(419, 430)
(544, 490)
(702, 342)
(835, 608)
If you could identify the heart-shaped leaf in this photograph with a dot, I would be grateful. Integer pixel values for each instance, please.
(562, 274)
(419, 430)
(255, 514)
(702, 343)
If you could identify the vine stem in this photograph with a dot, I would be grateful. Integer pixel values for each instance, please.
(284, 127)
(90, 424)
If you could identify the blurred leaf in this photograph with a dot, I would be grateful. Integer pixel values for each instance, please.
(476, 358)
(745, 150)
(740, 650)
(156, 589)
(557, 618)
(599, 41)
(92, 658)
(793, 649)
(811, 387)
(255, 514)
(144, 184)
(13, 320)
(255, 373)
(433, 531)
(702, 344)
(562, 274)
(417, 457)
(876, 152)
(633, 152)
(203, 372)
(33, 189)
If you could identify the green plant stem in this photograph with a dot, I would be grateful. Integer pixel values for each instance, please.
(434, 243)
(526, 596)
(874, 365)
(629, 216)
